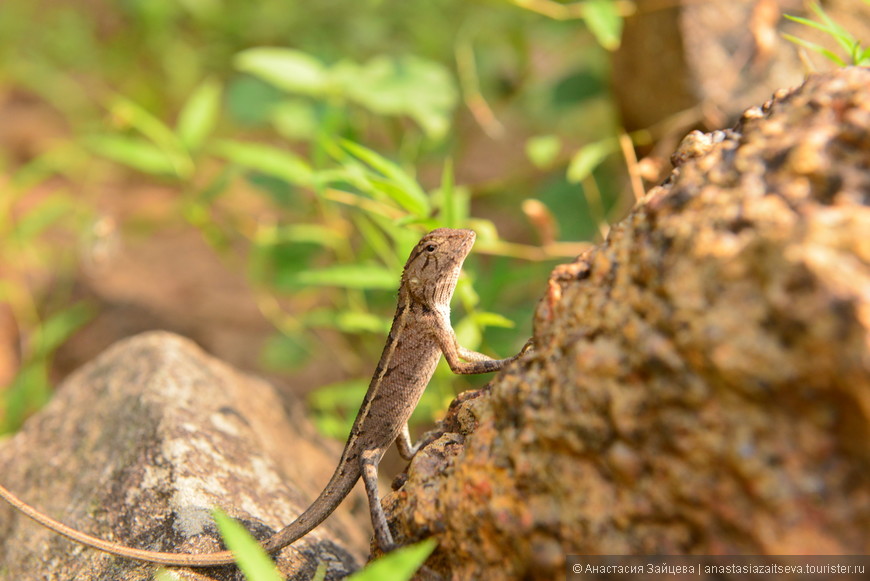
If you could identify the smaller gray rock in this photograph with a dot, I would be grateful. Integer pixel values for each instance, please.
(139, 445)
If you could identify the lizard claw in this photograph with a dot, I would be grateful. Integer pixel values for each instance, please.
(529, 346)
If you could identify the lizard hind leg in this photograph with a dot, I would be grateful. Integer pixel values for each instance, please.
(406, 448)
(369, 460)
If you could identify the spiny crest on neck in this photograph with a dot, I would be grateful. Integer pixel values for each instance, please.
(433, 267)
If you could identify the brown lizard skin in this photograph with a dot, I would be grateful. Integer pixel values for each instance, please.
(420, 333)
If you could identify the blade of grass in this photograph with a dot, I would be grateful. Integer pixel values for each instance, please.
(816, 48)
(413, 197)
(255, 564)
(400, 565)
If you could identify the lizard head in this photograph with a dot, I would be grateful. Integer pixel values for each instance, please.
(432, 270)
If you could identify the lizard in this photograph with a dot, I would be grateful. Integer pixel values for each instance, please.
(420, 333)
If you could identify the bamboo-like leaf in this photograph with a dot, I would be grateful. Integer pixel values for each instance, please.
(448, 197)
(133, 152)
(840, 34)
(604, 22)
(291, 70)
(130, 114)
(266, 159)
(250, 556)
(588, 158)
(543, 149)
(57, 328)
(42, 215)
(347, 321)
(356, 276)
(407, 192)
(399, 565)
(828, 54)
(199, 115)
(488, 319)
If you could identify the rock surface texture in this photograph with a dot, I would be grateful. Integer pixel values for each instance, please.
(701, 380)
(140, 444)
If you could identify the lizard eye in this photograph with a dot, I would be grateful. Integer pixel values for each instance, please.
(431, 248)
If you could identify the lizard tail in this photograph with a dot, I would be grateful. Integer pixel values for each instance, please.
(177, 559)
(339, 486)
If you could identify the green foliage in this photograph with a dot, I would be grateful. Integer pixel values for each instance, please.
(26, 234)
(312, 146)
(400, 565)
(604, 21)
(418, 88)
(850, 45)
(256, 565)
(29, 390)
(589, 157)
(543, 149)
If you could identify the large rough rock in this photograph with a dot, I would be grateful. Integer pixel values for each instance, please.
(701, 380)
(140, 444)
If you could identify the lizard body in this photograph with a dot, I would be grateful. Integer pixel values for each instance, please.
(419, 334)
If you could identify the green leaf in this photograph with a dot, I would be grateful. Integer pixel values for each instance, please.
(58, 327)
(828, 54)
(807, 22)
(487, 319)
(604, 22)
(377, 240)
(291, 70)
(543, 149)
(320, 572)
(399, 565)
(130, 114)
(406, 192)
(255, 564)
(421, 89)
(266, 159)
(29, 392)
(133, 152)
(395, 192)
(840, 34)
(308, 233)
(588, 158)
(250, 100)
(848, 43)
(295, 119)
(199, 115)
(356, 276)
(468, 333)
(347, 321)
(30, 388)
(45, 213)
(448, 196)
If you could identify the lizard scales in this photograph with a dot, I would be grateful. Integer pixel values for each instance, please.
(419, 334)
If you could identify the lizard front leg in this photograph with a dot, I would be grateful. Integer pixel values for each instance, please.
(464, 361)
(474, 362)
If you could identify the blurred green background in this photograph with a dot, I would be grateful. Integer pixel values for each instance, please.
(253, 175)
(307, 146)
